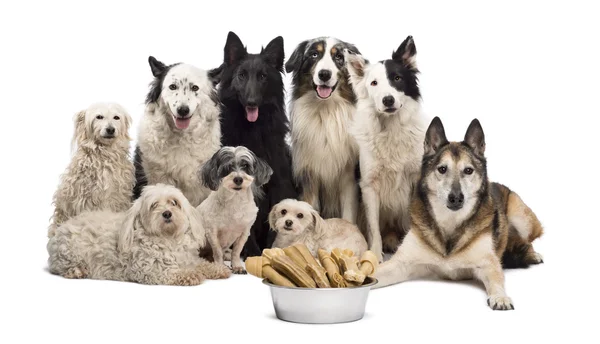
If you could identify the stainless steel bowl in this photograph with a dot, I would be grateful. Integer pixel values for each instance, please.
(320, 305)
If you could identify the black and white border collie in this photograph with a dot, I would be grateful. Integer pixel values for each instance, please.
(325, 155)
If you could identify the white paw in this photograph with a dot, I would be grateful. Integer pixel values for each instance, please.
(537, 258)
(500, 303)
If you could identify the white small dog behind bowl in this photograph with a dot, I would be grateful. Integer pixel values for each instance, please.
(296, 222)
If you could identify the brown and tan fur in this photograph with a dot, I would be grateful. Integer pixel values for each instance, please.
(462, 226)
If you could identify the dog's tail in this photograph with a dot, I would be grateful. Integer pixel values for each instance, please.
(140, 176)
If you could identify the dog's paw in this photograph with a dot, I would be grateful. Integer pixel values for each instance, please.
(238, 270)
(535, 258)
(188, 278)
(76, 273)
(500, 303)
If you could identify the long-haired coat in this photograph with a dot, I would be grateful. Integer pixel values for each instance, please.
(253, 115)
(101, 174)
(179, 131)
(389, 130)
(324, 153)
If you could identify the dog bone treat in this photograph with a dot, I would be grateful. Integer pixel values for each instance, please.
(351, 271)
(254, 266)
(270, 253)
(368, 263)
(337, 255)
(304, 251)
(261, 268)
(318, 274)
(333, 271)
(286, 266)
(296, 256)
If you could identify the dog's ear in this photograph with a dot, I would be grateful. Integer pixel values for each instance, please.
(435, 138)
(262, 172)
(351, 48)
(475, 137)
(297, 58)
(80, 135)
(318, 222)
(356, 65)
(234, 49)
(125, 239)
(273, 216)
(214, 75)
(406, 53)
(274, 53)
(209, 173)
(156, 66)
(195, 221)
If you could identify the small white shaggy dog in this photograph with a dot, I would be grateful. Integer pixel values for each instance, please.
(101, 174)
(297, 222)
(390, 130)
(235, 175)
(154, 242)
(179, 131)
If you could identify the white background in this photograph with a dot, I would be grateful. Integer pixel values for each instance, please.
(528, 71)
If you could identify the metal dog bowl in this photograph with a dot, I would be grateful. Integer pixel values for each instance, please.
(320, 305)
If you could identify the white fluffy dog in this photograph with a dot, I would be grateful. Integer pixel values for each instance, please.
(233, 173)
(155, 242)
(297, 222)
(179, 131)
(100, 175)
(390, 130)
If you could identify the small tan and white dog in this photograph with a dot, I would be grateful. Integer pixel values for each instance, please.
(235, 175)
(297, 222)
(155, 242)
(101, 174)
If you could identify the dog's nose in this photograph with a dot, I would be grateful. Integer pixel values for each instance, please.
(251, 103)
(456, 199)
(183, 110)
(167, 214)
(324, 74)
(289, 223)
(238, 180)
(388, 101)
(110, 131)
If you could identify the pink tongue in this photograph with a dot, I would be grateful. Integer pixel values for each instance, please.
(251, 114)
(182, 123)
(324, 91)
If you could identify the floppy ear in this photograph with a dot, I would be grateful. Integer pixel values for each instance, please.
(195, 221)
(406, 53)
(273, 216)
(318, 222)
(234, 49)
(125, 240)
(80, 134)
(435, 138)
(274, 53)
(295, 61)
(209, 173)
(262, 172)
(214, 75)
(156, 66)
(475, 138)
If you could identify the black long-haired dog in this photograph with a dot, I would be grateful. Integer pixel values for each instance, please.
(253, 115)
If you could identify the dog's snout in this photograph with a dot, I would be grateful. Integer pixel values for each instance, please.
(252, 103)
(388, 101)
(324, 75)
(289, 223)
(238, 180)
(183, 111)
(456, 199)
(110, 130)
(167, 214)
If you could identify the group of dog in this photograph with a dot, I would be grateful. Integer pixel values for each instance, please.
(214, 179)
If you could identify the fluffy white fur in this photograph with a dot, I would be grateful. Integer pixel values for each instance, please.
(297, 222)
(171, 155)
(141, 245)
(101, 174)
(391, 148)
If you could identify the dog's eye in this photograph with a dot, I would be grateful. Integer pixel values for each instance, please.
(195, 88)
(242, 75)
(262, 76)
(116, 118)
(245, 165)
(339, 57)
(300, 215)
(442, 169)
(172, 87)
(314, 55)
(154, 205)
(99, 117)
(397, 78)
(468, 170)
(283, 212)
(374, 83)
(174, 202)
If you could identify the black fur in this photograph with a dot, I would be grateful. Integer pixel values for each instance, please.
(140, 177)
(516, 258)
(258, 78)
(402, 65)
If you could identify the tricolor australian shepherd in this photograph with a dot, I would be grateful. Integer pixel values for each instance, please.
(253, 115)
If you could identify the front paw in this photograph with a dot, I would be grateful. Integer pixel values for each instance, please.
(238, 270)
(500, 303)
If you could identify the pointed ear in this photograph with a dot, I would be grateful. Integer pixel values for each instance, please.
(274, 53)
(262, 172)
(234, 49)
(352, 49)
(295, 61)
(406, 53)
(156, 66)
(195, 221)
(125, 239)
(214, 75)
(318, 222)
(209, 173)
(356, 66)
(475, 137)
(435, 138)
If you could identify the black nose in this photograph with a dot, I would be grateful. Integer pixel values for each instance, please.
(251, 103)
(110, 131)
(167, 214)
(238, 180)
(456, 199)
(388, 101)
(183, 110)
(324, 74)
(288, 223)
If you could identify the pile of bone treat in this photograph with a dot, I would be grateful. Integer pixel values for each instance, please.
(295, 266)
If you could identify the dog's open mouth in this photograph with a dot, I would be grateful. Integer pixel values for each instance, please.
(287, 228)
(108, 136)
(182, 122)
(324, 91)
(251, 113)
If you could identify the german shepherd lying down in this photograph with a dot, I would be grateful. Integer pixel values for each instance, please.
(463, 226)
